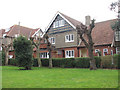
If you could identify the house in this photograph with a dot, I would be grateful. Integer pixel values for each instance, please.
(14, 32)
(63, 35)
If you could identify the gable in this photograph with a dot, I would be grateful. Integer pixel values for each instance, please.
(59, 28)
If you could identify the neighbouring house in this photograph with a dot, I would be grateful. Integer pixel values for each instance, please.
(63, 35)
(14, 32)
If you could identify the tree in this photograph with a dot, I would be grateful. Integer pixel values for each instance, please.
(37, 45)
(6, 46)
(23, 52)
(114, 6)
(116, 26)
(50, 48)
(84, 30)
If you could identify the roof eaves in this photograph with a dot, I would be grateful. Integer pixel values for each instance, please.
(58, 13)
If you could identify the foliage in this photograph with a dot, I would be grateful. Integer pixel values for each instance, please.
(3, 57)
(101, 62)
(69, 62)
(109, 61)
(59, 78)
(115, 25)
(23, 52)
(13, 62)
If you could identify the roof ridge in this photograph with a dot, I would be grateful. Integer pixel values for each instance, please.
(105, 21)
(69, 17)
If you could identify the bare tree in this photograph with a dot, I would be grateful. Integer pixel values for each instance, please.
(6, 46)
(50, 48)
(116, 26)
(37, 45)
(84, 30)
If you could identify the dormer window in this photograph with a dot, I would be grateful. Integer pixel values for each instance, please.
(59, 23)
(117, 36)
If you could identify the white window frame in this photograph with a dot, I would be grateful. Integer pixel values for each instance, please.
(97, 50)
(59, 23)
(69, 54)
(117, 50)
(10, 56)
(105, 50)
(16, 35)
(44, 55)
(117, 35)
(52, 40)
(111, 52)
(4, 35)
(68, 38)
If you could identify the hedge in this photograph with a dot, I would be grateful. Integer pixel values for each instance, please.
(101, 62)
(110, 61)
(69, 62)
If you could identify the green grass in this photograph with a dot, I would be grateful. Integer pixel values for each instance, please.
(58, 78)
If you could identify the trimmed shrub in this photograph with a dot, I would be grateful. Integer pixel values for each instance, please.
(101, 62)
(3, 58)
(98, 61)
(110, 61)
(69, 62)
(45, 62)
(82, 62)
(23, 52)
(13, 62)
(35, 62)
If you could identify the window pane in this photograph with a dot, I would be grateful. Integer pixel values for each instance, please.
(72, 37)
(72, 53)
(69, 53)
(69, 37)
(57, 23)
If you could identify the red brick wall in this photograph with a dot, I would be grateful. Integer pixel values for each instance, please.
(12, 53)
(75, 50)
(103, 47)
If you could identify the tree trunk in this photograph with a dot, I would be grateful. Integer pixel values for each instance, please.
(50, 59)
(92, 60)
(38, 57)
(27, 68)
(6, 57)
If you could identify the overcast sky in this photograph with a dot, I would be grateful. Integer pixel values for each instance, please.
(39, 13)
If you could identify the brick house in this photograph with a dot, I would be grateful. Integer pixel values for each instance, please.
(63, 35)
(14, 32)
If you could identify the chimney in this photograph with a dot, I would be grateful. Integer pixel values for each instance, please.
(87, 20)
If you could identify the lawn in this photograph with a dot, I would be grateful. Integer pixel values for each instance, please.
(58, 78)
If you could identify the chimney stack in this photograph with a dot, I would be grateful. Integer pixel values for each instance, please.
(87, 20)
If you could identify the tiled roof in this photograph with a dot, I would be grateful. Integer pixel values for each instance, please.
(102, 33)
(16, 29)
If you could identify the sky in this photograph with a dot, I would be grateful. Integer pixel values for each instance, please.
(39, 13)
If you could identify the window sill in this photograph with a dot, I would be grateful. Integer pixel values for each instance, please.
(68, 41)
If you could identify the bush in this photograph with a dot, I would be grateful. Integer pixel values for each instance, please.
(13, 62)
(45, 62)
(23, 52)
(110, 61)
(101, 62)
(3, 57)
(69, 62)
(82, 62)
